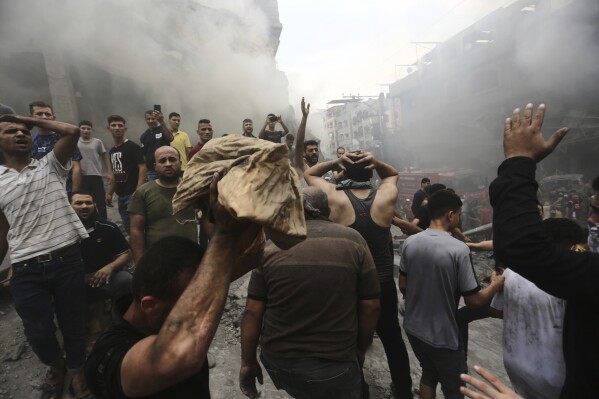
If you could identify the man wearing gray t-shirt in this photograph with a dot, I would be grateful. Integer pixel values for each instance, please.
(435, 271)
(95, 158)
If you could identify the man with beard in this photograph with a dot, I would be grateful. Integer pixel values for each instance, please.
(151, 209)
(248, 128)
(105, 254)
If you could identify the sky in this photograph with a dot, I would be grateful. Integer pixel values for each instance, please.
(334, 48)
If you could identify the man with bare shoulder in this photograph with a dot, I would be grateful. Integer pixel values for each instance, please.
(370, 211)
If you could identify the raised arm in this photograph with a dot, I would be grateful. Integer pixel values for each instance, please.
(300, 137)
(179, 349)
(313, 175)
(261, 133)
(518, 236)
(66, 146)
(166, 129)
(285, 128)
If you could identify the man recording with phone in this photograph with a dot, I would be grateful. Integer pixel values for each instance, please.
(270, 133)
(158, 134)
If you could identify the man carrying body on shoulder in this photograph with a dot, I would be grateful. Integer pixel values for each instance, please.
(158, 344)
(370, 212)
(128, 167)
(205, 133)
(43, 234)
(151, 207)
(311, 337)
(105, 255)
(94, 158)
(44, 142)
(156, 135)
(435, 270)
(268, 131)
(248, 128)
(180, 139)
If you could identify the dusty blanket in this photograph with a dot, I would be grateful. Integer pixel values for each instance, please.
(259, 185)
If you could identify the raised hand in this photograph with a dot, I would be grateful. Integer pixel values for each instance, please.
(522, 137)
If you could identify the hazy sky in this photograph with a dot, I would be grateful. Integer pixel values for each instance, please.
(333, 47)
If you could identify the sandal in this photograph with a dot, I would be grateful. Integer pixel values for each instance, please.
(52, 390)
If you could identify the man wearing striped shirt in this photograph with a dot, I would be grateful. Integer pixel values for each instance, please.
(43, 232)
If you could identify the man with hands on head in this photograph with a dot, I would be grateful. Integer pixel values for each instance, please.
(158, 346)
(268, 131)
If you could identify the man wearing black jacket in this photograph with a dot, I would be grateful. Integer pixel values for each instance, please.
(521, 243)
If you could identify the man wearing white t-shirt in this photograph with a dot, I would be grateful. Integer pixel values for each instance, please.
(43, 233)
(533, 325)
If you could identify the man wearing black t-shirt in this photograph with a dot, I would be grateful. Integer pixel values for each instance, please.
(268, 131)
(156, 135)
(157, 346)
(128, 167)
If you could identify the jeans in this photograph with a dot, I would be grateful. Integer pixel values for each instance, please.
(95, 185)
(314, 378)
(42, 289)
(389, 332)
(124, 201)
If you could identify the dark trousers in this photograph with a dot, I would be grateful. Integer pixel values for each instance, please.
(464, 316)
(124, 201)
(95, 185)
(42, 289)
(389, 332)
(313, 378)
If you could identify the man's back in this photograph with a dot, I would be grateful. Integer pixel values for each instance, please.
(312, 293)
(439, 270)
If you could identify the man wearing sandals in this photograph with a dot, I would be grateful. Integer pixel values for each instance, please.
(43, 233)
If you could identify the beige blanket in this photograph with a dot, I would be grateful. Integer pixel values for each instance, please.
(259, 185)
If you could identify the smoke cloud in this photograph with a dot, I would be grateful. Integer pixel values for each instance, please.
(203, 59)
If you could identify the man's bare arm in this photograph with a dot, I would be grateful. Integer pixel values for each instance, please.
(263, 130)
(405, 226)
(166, 129)
(65, 147)
(143, 174)
(103, 275)
(368, 315)
(486, 295)
(180, 348)
(285, 128)
(137, 240)
(298, 154)
(251, 325)
(77, 175)
(403, 283)
(109, 174)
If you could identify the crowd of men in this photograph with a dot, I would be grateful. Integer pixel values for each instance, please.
(312, 309)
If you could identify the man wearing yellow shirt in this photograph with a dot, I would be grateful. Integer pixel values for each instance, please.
(181, 141)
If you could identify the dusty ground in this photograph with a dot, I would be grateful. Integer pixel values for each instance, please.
(21, 373)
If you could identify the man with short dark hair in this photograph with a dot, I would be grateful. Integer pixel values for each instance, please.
(44, 142)
(158, 344)
(340, 152)
(422, 217)
(435, 271)
(205, 132)
(268, 131)
(128, 167)
(370, 211)
(421, 194)
(248, 128)
(312, 345)
(151, 207)
(43, 233)
(156, 135)
(180, 139)
(311, 153)
(94, 158)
